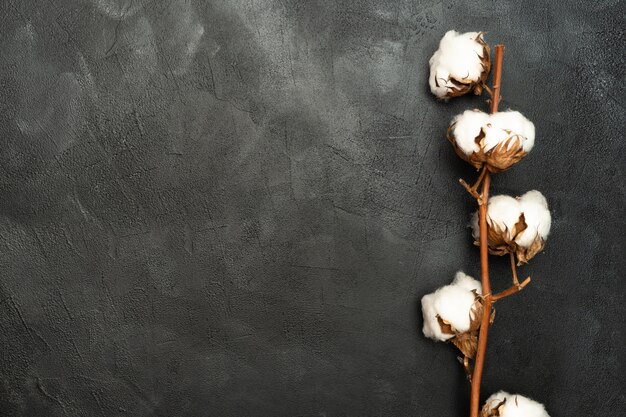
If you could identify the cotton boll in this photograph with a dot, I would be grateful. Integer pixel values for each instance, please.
(460, 65)
(498, 140)
(453, 304)
(515, 225)
(503, 404)
(537, 217)
(467, 127)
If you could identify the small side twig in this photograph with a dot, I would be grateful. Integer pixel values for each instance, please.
(510, 291)
(516, 287)
(473, 188)
(514, 269)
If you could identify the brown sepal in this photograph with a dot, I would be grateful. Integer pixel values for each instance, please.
(446, 328)
(495, 411)
(524, 255)
(520, 226)
(467, 343)
(505, 154)
(476, 312)
(485, 61)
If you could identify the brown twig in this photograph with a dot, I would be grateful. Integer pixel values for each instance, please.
(516, 287)
(514, 268)
(484, 255)
(473, 188)
(510, 291)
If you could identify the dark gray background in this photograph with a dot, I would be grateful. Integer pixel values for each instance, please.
(232, 208)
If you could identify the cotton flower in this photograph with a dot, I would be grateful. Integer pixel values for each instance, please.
(498, 140)
(452, 313)
(516, 225)
(503, 404)
(460, 65)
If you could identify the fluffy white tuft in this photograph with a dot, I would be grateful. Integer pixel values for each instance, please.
(509, 123)
(505, 211)
(498, 127)
(535, 208)
(452, 303)
(516, 405)
(459, 57)
(467, 126)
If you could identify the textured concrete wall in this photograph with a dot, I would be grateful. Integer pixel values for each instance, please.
(232, 208)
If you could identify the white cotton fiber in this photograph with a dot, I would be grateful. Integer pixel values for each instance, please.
(452, 303)
(505, 124)
(504, 211)
(515, 406)
(537, 216)
(467, 127)
(458, 57)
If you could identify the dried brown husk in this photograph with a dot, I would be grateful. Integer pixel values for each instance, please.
(502, 241)
(464, 85)
(526, 254)
(495, 410)
(497, 159)
(466, 342)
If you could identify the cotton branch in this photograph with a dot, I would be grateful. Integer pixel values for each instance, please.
(503, 225)
(484, 256)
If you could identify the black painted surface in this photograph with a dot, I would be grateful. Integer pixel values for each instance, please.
(233, 208)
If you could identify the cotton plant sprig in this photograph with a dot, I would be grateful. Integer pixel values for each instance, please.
(462, 311)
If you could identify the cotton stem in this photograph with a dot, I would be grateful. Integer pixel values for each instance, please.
(484, 255)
